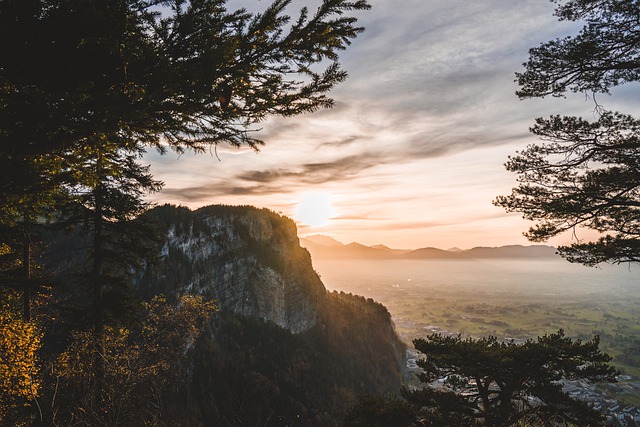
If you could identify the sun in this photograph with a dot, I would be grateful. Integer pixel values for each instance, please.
(315, 209)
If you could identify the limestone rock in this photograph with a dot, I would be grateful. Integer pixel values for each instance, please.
(249, 260)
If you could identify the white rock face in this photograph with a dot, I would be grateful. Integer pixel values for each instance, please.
(248, 260)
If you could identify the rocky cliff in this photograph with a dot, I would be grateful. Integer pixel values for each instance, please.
(280, 350)
(249, 260)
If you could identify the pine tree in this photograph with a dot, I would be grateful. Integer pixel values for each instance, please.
(29, 192)
(107, 189)
(500, 384)
(584, 173)
(92, 84)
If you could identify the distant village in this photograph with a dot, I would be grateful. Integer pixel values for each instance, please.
(617, 413)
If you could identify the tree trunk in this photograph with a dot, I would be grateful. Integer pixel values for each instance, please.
(26, 271)
(97, 276)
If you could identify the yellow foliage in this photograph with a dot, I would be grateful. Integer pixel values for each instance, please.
(5, 249)
(142, 366)
(19, 343)
(181, 322)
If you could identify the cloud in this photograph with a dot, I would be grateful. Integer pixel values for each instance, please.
(414, 147)
(340, 169)
(276, 181)
(344, 141)
(207, 192)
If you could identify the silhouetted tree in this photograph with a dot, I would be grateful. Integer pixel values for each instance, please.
(177, 72)
(503, 383)
(30, 194)
(152, 73)
(585, 174)
(92, 84)
(107, 198)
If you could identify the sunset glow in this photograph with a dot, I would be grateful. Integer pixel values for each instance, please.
(412, 153)
(314, 209)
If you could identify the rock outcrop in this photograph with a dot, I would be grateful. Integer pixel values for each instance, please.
(249, 260)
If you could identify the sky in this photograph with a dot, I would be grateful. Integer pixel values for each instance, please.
(412, 154)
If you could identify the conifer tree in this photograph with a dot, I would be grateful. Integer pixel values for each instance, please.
(94, 83)
(183, 73)
(498, 384)
(30, 194)
(584, 173)
(107, 190)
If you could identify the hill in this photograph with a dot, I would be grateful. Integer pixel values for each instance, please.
(428, 253)
(337, 250)
(350, 251)
(323, 240)
(512, 251)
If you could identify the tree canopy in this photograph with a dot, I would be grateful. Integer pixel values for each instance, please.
(604, 54)
(185, 73)
(494, 383)
(585, 173)
(86, 86)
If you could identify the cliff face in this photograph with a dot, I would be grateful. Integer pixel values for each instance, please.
(281, 350)
(249, 260)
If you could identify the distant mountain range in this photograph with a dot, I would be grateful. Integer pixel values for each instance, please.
(327, 247)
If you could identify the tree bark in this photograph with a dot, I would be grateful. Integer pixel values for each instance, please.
(97, 276)
(26, 270)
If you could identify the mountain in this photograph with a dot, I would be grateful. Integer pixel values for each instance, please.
(431, 253)
(388, 249)
(323, 240)
(248, 260)
(337, 250)
(282, 349)
(512, 251)
(349, 251)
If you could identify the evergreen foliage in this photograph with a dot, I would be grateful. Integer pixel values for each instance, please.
(485, 382)
(586, 173)
(186, 73)
(122, 76)
(604, 54)
(501, 384)
(31, 195)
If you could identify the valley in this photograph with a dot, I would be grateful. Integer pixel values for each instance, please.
(511, 299)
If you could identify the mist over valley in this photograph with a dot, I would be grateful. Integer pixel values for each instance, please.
(514, 298)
